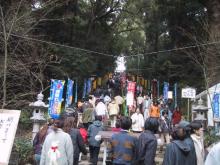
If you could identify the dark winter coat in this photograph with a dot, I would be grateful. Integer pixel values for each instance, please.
(147, 148)
(37, 145)
(93, 130)
(78, 144)
(192, 155)
(178, 152)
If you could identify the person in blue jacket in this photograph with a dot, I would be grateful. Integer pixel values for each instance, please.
(94, 141)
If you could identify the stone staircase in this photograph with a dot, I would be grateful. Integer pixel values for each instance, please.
(85, 159)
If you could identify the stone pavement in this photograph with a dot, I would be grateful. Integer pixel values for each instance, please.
(84, 161)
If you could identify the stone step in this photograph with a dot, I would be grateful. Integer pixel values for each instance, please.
(158, 158)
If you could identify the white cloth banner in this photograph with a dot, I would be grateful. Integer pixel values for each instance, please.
(130, 98)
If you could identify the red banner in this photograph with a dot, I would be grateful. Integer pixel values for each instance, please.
(130, 93)
(131, 86)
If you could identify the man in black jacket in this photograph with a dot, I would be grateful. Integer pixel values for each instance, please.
(148, 143)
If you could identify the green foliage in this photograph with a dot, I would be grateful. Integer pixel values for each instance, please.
(117, 27)
(24, 121)
(25, 150)
(210, 137)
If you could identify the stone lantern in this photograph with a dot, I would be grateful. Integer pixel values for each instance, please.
(38, 107)
(200, 112)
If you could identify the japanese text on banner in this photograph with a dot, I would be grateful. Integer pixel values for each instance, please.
(56, 97)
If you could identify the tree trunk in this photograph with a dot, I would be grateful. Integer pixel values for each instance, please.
(213, 56)
(5, 60)
(213, 8)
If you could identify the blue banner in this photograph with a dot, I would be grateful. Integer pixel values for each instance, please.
(89, 85)
(56, 98)
(84, 88)
(76, 92)
(175, 95)
(69, 93)
(216, 105)
(165, 91)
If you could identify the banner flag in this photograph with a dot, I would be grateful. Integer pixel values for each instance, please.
(138, 80)
(94, 84)
(154, 89)
(149, 85)
(175, 95)
(99, 81)
(216, 105)
(76, 92)
(165, 91)
(56, 98)
(123, 80)
(130, 93)
(69, 93)
(84, 88)
(145, 84)
(158, 89)
(124, 107)
(142, 81)
(89, 86)
(133, 78)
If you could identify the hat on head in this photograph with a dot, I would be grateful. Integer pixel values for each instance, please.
(183, 124)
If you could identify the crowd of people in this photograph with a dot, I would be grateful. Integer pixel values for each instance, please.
(151, 123)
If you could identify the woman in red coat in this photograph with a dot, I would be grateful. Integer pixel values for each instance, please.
(176, 118)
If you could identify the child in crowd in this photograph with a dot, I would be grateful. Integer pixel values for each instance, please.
(94, 140)
(122, 148)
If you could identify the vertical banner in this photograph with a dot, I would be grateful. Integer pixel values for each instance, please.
(56, 97)
(149, 85)
(99, 81)
(94, 84)
(84, 88)
(89, 86)
(133, 78)
(216, 105)
(123, 80)
(175, 95)
(69, 93)
(142, 81)
(138, 80)
(124, 107)
(76, 92)
(145, 84)
(154, 89)
(158, 89)
(130, 93)
(165, 91)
